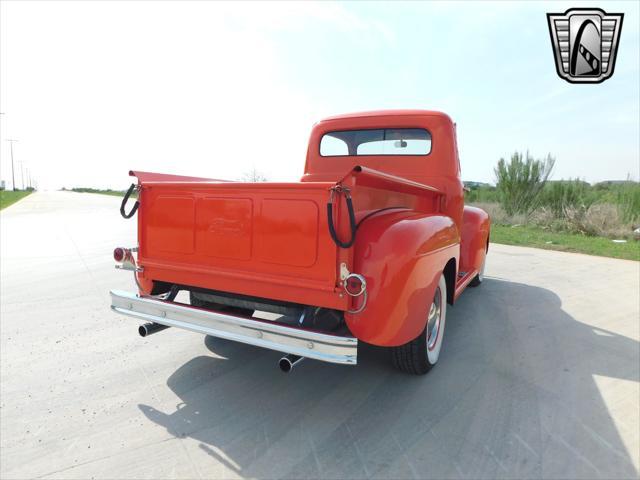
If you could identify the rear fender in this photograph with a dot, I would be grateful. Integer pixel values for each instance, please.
(401, 255)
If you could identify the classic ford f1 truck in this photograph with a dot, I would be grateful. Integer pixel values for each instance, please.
(371, 245)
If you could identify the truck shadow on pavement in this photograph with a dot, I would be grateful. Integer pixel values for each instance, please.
(517, 393)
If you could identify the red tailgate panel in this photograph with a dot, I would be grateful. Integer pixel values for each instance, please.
(265, 240)
(287, 239)
(170, 234)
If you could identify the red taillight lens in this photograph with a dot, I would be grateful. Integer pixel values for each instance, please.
(119, 254)
(355, 285)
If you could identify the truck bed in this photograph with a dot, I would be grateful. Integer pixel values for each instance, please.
(267, 240)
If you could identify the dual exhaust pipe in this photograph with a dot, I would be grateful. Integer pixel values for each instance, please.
(285, 364)
(289, 361)
(150, 328)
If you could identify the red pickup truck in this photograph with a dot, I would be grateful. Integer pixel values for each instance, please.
(371, 245)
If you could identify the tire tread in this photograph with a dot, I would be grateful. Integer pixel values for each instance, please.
(411, 357)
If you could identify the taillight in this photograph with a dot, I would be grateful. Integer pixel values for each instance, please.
(119, 254)
(125, 260)
(355, 285)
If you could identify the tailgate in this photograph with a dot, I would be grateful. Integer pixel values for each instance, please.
(266, 240)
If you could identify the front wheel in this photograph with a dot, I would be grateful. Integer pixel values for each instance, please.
(421, 354)
(478, 279)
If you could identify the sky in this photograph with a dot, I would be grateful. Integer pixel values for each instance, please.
(94, 89)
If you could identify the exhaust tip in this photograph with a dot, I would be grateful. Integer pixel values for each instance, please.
(285, 365)
(287, 362)
(149, 328)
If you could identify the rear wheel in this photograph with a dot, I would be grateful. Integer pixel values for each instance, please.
(421, 354)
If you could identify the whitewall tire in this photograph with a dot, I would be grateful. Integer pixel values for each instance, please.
(422, 353)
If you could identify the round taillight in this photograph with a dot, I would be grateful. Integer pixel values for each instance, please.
(355, 284)
(119, 254)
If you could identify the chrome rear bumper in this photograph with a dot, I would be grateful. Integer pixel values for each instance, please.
(261, 333)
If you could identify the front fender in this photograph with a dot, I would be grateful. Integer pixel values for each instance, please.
(401, 255)
(475, 237)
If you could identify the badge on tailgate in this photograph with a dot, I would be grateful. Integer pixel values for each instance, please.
(224, 227)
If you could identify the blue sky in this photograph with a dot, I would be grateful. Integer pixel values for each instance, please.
(92, 90)
(489, 66)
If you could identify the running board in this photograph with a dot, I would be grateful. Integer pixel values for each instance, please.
(463, 281)
(261, 333)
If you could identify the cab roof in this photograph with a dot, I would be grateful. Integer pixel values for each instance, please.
(387, 113)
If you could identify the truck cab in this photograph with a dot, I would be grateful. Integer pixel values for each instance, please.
(372, 244)
(415, 145)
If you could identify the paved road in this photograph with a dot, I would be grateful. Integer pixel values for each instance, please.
(538, 376)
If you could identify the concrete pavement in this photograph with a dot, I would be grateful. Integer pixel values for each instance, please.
(538, 377)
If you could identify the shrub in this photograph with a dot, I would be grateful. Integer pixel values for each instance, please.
(520, 182)
(484, 194)
(600, 219)
(561, 196)
(628, 202)
(498, 216)
(253, 175)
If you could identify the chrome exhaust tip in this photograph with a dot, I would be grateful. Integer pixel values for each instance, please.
(287, 362)
(150, 328)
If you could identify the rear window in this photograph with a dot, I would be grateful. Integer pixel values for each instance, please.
(387, 141)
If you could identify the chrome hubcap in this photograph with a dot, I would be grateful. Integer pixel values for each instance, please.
(433, 321)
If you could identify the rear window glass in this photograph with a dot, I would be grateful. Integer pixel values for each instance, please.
(387, 141)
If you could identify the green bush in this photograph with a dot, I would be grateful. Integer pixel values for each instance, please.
(520, 182)
(628, 201)
(482, 194)
(567, 194)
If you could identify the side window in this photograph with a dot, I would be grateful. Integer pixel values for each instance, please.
(331, 146)
(388, 141)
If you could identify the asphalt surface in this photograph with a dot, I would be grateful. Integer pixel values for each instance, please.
(538, 377)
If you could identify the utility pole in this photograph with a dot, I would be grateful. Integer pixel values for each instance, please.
(13, 176)
(22, 174)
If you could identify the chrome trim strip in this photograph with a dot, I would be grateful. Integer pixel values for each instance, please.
(261, 333)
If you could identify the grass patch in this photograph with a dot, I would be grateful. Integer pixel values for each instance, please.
(9, 197)
(529, 236)
(115, 193)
